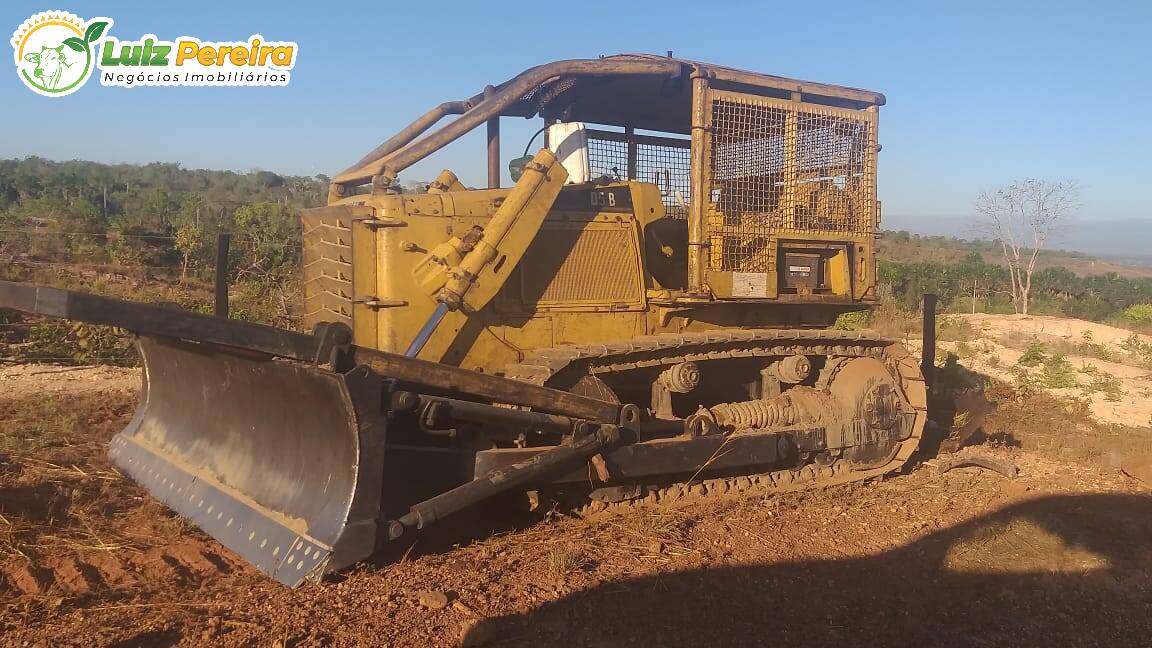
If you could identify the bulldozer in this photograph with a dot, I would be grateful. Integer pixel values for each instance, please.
(647, 312)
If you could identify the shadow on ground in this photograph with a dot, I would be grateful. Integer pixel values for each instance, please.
(1052, 571)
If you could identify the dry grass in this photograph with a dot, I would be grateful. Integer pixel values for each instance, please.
(1132, 351)
(1061, 427)
(564, 560)
(58, 492)
(892, 321)
(955, 329)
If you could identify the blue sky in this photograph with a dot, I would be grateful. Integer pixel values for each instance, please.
(978, 93)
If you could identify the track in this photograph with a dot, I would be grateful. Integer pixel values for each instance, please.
(562, 366)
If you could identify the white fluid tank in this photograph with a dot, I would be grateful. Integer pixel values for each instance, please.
(569, 141)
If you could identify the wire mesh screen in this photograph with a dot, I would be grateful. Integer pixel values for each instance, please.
(663, 161)
(777, 169)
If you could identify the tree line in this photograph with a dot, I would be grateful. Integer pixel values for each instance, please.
(162, 215)
(987, 287)
(158, 215)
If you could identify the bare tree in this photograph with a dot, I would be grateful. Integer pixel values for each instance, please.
(1022, 217)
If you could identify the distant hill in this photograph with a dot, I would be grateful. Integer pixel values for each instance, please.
(1122, 241)
(906, 247)
(1130, 260)
(1114, 239)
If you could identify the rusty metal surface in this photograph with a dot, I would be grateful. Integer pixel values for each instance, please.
(701, 183)
(413, 371)
(272, 458)
(415, 129)
(878, 452)
(530, 469)
(530, 92)
(506, 95)
(661, 458)
(976, 460)
(493, 135)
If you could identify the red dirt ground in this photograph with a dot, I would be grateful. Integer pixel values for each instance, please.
(1059, 556)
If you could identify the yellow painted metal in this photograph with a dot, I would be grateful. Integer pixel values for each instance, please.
(432, 272)
(582, 279)
(365, 302)
(785, 173)
(550, 269)
(838, 273)
(446, 181)
(485, 267)
(573, 301)
(327, 260)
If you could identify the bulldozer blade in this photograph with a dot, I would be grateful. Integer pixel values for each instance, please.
(281, 461)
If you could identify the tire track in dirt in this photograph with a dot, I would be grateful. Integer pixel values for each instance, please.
(187, 562)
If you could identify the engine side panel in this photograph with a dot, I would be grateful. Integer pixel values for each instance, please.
(580, 281)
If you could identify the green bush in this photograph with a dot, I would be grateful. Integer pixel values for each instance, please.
(955, 329)
(854, 321)
(1138, 314)
(1058, 373)
(79, 343)
(1035, 354)
(1092, 349)
(1024, 384)
(1140, 350)
(1108, 385)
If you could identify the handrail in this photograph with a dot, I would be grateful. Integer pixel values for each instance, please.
(413, 130)
(404, 149)
(481, 109)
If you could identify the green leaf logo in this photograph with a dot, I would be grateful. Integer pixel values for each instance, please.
(76, 44)
(94, 31)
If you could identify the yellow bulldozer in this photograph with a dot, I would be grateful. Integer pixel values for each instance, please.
(646, 312)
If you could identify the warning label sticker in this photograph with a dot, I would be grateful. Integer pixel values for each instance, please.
(749, 284)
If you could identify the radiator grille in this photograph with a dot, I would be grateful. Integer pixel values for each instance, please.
(781, 167)
(327, 265)
(581, 265)
(662, 161)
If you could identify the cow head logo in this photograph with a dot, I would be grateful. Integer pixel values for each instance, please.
(56, 52)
